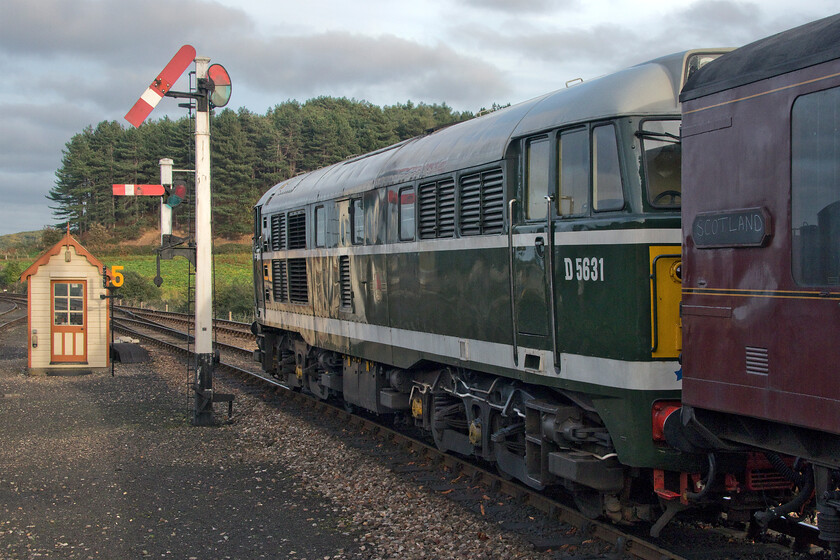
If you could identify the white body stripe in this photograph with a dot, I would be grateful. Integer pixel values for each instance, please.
(601, 237)
(643, 376)
(151, 97)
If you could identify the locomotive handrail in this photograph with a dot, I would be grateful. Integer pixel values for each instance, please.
(654, 344)
(549, 232)
(511, 204)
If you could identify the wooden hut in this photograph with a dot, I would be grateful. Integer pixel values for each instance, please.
(68, 320)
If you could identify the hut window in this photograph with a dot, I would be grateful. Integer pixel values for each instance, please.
(68, 303)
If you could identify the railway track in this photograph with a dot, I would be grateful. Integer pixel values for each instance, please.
(235, 363)
(12, 310)
(235, 328)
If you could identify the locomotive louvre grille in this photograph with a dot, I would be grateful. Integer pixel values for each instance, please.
(297, 230)
(437, 209)
(278, 232)
(344, 279)
(482, 203)
(758, 360)
(298, 287)
(279, 281)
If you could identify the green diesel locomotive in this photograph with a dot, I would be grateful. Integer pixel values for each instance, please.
(511, 284)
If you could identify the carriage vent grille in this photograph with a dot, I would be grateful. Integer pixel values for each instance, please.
(298, 287)
(758, 360)
(482, 203)
(278, 232)
(279, 283)
(297, 230)
(437, 209)
(344, 278)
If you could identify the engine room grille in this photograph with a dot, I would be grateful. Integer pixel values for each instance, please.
(278, 232)
(344, 278)
(482, 203)
(297, 230)
(298, 287)
(758, 360)
(279, 280)
(437, 209)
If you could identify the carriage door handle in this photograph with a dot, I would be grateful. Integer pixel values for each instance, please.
(539, 243)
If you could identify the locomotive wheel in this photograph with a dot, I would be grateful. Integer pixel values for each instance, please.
(447, 414)
(589, 502)
(317, 389)
(514, 444)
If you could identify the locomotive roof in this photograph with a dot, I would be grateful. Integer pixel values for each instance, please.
(803, 46)
(648, 88)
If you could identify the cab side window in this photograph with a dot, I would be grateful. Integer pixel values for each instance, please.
(537, 155)
(573, 180)
(607, 192)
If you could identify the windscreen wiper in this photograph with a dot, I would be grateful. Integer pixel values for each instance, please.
(662, 136)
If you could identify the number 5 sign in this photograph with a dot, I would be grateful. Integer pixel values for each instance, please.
(117, 277)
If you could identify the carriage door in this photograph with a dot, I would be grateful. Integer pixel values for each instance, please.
(530, 258)
(69, 321)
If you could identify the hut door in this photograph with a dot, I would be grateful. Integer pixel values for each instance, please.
(69, 321)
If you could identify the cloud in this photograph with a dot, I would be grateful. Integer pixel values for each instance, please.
(113, 30)
(25, 206)
(522, 6)
(336, 62)
(590, 50)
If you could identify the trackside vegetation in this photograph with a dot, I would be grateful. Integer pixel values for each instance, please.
(249, 152)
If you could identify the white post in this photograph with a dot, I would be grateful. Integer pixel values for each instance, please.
(203, 414)
(165, 210)
(203, 233)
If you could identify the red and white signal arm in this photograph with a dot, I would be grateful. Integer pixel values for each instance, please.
(138, 190)
(163, 83)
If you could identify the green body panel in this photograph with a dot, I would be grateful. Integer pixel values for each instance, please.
(455, 293)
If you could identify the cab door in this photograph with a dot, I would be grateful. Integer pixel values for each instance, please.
(69, 321)
(530, 256)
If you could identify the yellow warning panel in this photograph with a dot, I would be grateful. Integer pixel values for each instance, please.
(665, 296)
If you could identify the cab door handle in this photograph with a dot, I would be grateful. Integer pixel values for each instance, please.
(539, 243)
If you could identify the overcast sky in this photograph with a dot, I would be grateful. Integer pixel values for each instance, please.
(68, 64)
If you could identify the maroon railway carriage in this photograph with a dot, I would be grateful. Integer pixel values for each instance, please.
(761, 254)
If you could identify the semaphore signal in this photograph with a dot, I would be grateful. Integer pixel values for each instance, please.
(138, 190)
(161, 85)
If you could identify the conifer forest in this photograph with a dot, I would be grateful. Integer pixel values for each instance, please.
(249, 154)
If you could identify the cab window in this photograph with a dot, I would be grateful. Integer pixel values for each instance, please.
(573, 180)
(607, 192)
(662, 162)
(537, 169)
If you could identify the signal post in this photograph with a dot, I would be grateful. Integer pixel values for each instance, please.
(203, 411)
(213, 89)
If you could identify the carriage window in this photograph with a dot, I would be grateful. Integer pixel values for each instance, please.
(574, 173)
(407, 214)
(320, 227)
(606, 181)
(537, 169)
(662, 162)
(815, 188)
(357, 219)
